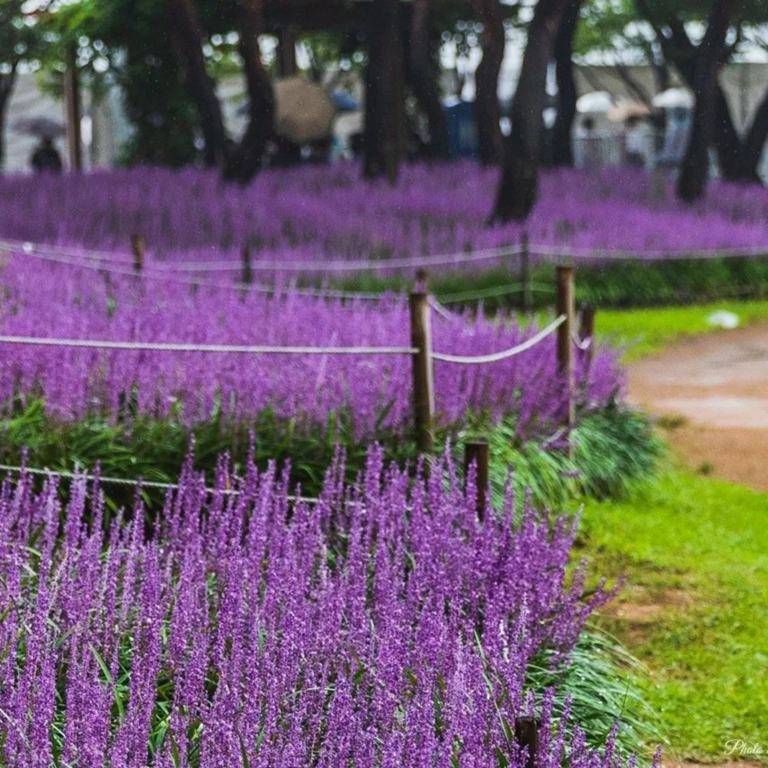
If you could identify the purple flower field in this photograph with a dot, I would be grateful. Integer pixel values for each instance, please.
(382, 626)
(323, 214)
(62, 301)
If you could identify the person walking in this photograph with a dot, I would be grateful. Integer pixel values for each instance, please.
(46, 157)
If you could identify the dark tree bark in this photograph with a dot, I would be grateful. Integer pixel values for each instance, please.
(487, 112)
(245, 161)
(238, 162)
(424, 79)
(694, 170)
(736, 162)
(7, 81)
(187, 36)
(519, 181)
(384, 137)
(562, 145)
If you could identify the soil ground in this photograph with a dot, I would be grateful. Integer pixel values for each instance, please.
(711, 394)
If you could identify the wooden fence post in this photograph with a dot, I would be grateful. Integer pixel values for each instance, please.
(247, 276)
(527, 737)
(137, 246)
(587, 331)
(476, 452)
(566, 306)
(525, 272)
(423, 381)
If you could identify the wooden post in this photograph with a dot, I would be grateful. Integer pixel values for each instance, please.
(566, 306)
(476, 452)
(72, 110)
(247, 277)
(423, 382)
(527, 737)
(137, 246)
(587, 331)
(525, 272)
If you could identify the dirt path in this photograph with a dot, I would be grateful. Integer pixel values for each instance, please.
(714, 391)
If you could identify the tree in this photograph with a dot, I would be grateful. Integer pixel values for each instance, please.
(562, 153)
(384, 137)
(694, 170)
(487, 112)
(19, 41)
(738, 155)
(520, 175)
(424, 78)
(238, 161)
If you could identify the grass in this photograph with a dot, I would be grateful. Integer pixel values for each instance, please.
(646, 331)
(694, 609)
(625, 283)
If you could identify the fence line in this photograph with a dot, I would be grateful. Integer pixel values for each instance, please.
(318, 293)
(360, 265)
(507, 353)
(420, 351)
(69, 255)
(619, 255)
(488, 293)
(125, 481)
(208, 348)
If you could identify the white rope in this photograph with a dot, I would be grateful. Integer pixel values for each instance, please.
(117, 269)
(496, 356)
(487, 293)
(215, 348)
(359, 265)
(580, 344)
(620, 254)
(565, 251)
(31, 248)
(129, 482)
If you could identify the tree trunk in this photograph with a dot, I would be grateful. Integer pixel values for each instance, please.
(694, 170)
(487, 112)
(7, 82)
(424, 79)
(245, 161)
(383, 140)
(519, 181)
(187, 35)
(562, 144)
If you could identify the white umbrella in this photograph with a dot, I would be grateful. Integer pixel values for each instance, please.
(39, 126)
(596, 102)
(674, 98)
(305, 111)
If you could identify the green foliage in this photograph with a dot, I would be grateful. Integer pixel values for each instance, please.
(19, 39)
(604, 683)
(628, 283)
(613, 450)
(154, 450)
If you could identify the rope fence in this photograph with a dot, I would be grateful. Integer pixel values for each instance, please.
(422, 305)
(127, 482)
(68, 254)
(117, 263)
(143, 346)
(507, 353)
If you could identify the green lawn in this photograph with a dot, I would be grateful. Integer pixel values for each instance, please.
(695, 606)
(645, 331)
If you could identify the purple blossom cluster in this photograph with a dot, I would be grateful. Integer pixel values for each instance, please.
(61, 301)
(328, 213)
(382, 626)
